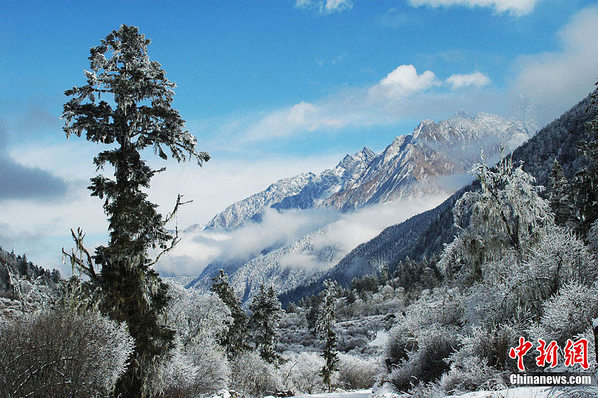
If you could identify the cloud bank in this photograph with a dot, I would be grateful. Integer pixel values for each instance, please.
(513, 7)
(557, 80)
(402, 93)
(22, 182)
(337, 233)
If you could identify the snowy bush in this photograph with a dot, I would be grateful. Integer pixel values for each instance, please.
(253, 376)
(214, 370)
(301, 373)
(62, 353)
(559, 257)
(355, 373)
(435, 308)
(428, 362)
(193, 371)
(568, 313)
(481, 361)
(491, 345)
(196, 315)
(173, 375)
(198, 365)
(401, 341)
(470, 374)
(426, 390)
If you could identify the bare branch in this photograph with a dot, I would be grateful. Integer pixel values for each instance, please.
(79, 257)
(178, 203)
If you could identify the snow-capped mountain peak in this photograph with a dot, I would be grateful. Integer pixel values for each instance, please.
(433, 160)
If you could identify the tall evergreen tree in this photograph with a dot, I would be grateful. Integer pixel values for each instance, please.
(561, 202)
(325, 326)
(126, 105)
(266, 309)
(235, 340)
(507, 215)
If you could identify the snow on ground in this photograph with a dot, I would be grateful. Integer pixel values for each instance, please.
(519, 392)
(339, 394)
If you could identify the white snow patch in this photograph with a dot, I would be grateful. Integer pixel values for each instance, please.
(339, 394)
(380, 340)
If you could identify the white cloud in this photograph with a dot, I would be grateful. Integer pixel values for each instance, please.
(477, 79)
(557, 80)
(404, 82)
(514, 7)
(338, 5)
(325, 7)
(402, 93)
(303, 116)
(198, 249)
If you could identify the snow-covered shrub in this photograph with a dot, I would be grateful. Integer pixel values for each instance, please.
(348, 342)
(356, 373)
(173, 374)
(477, 363)
(198, 365)
(62, 353)
(568, 313)
(428, 362)
(426, 390)
(196, 315)
(301, 373)
(193, 371)
(214, 370)
(253, 376)
(401, 341)
(491, 345)
(513, 289)
(434, 308)
(561, 256)
(470, 374)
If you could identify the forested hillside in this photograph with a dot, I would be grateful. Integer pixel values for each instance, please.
(15, 267)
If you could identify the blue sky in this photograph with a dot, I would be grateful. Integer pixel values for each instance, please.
(271, 88)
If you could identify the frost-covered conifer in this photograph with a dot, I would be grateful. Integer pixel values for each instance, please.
(266, 310)
(325, 327)
(235, 339)
(507, 215)
(126, 105)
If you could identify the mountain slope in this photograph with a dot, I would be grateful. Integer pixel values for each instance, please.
(248, 208)
(433, 160)
(417, 164)
(411, 166)
(426, 234)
